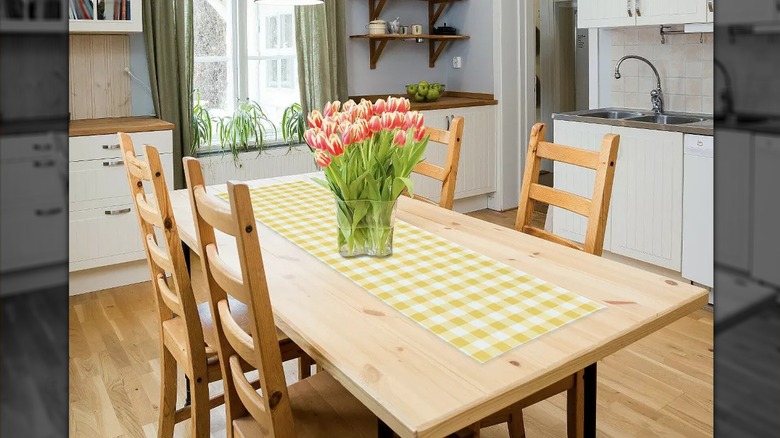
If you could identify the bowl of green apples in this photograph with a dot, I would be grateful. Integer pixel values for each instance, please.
(425, 92)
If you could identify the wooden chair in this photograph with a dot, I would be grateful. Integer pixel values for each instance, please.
(314, 407)
(187, 336)
(449, 173)
(595, 209)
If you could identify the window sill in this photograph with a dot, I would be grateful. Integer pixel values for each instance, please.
(274, 147)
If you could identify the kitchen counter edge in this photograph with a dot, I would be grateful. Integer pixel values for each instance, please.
(112, 125)
(450, 99)
(706, 127)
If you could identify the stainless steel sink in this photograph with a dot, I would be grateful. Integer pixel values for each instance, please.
(663, 119)
(612, 114)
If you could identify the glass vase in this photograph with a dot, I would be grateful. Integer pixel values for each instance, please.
(365, 228)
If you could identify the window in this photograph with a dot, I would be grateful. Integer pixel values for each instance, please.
(245, 50)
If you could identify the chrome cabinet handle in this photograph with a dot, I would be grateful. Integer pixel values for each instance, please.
(638, 9)
(710, 6)
(110, 146)
(48, 211)
(448, 122)
(42, 147)
(628, 8)
(47, 163)
(117, 212)
(113, 163)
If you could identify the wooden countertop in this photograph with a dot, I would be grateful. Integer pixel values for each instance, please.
(450, 99)
(79, 128)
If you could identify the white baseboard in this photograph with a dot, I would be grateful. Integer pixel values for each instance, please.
(30, 280)
(106, 277)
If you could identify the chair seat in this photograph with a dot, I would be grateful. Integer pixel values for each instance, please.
(321, 408)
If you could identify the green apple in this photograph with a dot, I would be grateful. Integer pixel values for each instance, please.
(433, 94)
(411, 89)
(418, 97)
(422, 87)
(435, 86)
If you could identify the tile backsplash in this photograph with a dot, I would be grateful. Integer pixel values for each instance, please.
(684, 63)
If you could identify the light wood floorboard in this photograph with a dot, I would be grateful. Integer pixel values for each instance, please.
(660, 386)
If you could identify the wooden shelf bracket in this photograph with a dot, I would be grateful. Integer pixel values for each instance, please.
(375, 8)
(375, 48)
(434, 51)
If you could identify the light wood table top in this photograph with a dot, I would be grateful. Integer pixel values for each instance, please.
(412, 380)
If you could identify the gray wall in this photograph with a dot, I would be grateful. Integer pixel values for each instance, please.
(473, 18)
(407, 62)
(141, 95)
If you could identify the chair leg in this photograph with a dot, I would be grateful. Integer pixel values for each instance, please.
(167, 394)
(516, 424)
(575, 408)
(200, 408)
(304, 366)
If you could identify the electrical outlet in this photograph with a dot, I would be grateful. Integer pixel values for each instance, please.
(457, 62)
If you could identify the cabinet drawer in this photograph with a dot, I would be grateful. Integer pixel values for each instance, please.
(101, 233)
(32, 179)
(33, 233)
(98, 147)
(107, 178)
(26, 147)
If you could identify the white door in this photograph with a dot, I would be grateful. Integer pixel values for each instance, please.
(748, 11)
(646, 208)
(733, 154)
(765, 263)
(656, 12)
(605, 13)
(576, 179)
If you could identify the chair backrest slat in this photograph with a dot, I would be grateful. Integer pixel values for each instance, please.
(259, 347)
(448, 174)
(174, 294)
(595, 209)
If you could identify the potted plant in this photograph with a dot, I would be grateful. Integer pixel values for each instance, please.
(201, 125)
(367, 152)
(293, 124)
(247, 126)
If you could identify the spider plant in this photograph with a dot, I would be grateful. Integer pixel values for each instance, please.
(201, 125)
(247, 127)
(293, 124)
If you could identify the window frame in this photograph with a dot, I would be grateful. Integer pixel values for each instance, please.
(238, 71)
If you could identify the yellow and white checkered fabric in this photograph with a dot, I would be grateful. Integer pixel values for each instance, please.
(479, 305)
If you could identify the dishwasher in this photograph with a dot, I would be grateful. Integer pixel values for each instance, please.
(698, 209)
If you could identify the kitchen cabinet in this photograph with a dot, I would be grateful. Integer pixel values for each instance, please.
(645, 216)
(103, 228)
(748, 12)
(32, 229)
(733, 155)
(765, 261)
(477, 165)
(622, 13)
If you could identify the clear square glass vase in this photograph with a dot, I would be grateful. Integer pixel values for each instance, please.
(365, 228)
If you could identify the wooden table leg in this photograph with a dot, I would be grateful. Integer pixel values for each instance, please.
(589, 378)
(384, 430)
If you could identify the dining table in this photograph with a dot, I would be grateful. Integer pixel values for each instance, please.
(414, 382)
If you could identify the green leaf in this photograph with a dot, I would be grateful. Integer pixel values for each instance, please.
(400, 184)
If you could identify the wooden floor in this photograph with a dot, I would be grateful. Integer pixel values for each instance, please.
(660, 386)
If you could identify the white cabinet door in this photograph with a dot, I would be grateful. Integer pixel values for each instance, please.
(748, 11)
(605, 13)
(733, 152)
(101, 179)
(646, 207)
(576, 179)
(656, 12)
(105, 235)
(477, 163)
(765, 263)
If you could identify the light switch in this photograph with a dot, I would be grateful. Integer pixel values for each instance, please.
(457, 62)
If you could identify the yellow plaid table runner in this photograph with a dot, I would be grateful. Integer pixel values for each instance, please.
(479, 305)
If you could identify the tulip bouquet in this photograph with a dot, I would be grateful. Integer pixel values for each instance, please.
(367, 151)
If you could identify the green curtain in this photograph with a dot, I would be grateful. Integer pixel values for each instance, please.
(169, 52)
(321, 43)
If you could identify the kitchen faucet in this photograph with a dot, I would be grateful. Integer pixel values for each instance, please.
(727, 95)
(656, 96)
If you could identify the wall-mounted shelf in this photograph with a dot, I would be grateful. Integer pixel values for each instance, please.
(436, 43)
